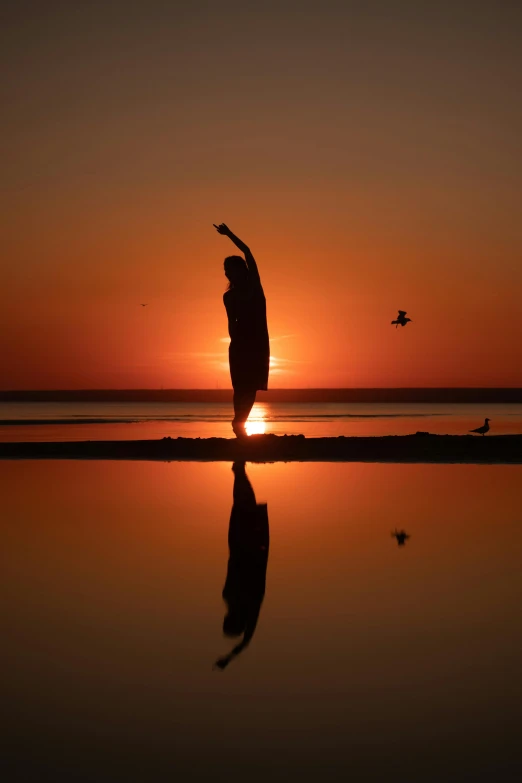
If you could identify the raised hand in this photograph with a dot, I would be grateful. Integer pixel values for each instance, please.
(249, 258)
(222, 663)
(222, 229)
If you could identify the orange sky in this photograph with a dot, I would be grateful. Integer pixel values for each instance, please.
(371, 160)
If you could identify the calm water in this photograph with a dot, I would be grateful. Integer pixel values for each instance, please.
(128, 421)
(370, 661)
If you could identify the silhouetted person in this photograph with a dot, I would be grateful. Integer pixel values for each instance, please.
(401, 536)
(249, 351)
(248, 540)
(482, 430)
(401, 319)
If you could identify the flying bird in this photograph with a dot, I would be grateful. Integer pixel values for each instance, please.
(401, 319)
(482, 430)
(144, 305)
(401, 536)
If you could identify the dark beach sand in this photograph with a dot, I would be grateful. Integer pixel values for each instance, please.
(421, 447)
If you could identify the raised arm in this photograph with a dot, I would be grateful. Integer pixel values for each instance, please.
(251, 623)
(249, 258)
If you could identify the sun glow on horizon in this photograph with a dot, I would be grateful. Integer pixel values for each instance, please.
(256, 423)
(255, 427)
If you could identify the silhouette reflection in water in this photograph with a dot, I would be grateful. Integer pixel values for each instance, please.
(248, 541)
(401, 536)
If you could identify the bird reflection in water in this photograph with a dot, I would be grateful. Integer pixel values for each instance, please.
(401, 536)
(248, 540)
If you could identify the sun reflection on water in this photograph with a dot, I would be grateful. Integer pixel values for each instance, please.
(256, 423)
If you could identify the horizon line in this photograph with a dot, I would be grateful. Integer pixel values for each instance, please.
(261, 391)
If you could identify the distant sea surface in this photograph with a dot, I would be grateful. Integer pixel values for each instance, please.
(68, 421)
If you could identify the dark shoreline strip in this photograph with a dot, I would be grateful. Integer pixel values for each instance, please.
(421, 447)
(417, 394)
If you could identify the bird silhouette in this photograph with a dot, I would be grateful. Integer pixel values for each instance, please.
(401, 536)
(401, 319)
(143, 305)
(482, 430)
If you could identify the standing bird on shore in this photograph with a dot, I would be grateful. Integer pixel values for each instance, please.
(401, 319)
(482, 430)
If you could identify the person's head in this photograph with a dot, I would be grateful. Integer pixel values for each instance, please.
(235, 622)
(236, 271)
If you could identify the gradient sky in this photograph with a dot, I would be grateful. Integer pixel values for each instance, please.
(369, 154)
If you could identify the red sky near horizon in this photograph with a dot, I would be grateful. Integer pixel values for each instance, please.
(369, 156)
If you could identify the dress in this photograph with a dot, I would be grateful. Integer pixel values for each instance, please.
(249, 350)
(248, 541)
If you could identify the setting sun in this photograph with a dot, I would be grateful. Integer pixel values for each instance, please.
(255, 427)
(256, 424)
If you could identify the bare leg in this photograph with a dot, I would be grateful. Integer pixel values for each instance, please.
(243, 402)
(243, 493)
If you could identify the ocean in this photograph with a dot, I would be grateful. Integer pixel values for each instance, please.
(70, 421)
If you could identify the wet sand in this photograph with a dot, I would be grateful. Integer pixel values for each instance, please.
(421, 447)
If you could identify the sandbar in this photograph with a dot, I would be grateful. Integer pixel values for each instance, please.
(419, 447)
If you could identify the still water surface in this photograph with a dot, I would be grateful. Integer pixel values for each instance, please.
(67, 421)
(369, 661)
